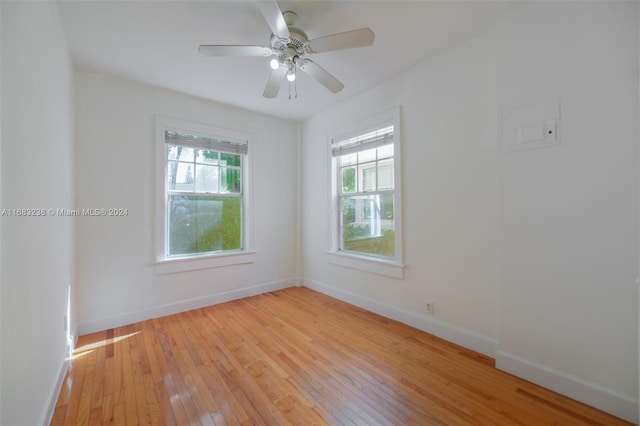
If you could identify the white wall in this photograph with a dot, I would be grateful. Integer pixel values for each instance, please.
(37, 172)
(449, 167)
(569, 214)
(115, 169)
(530, 257)
(1, 386)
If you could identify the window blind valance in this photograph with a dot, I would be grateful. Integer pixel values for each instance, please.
(373, 139)
(229, 146)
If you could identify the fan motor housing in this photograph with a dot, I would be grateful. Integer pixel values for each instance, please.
(296, 42)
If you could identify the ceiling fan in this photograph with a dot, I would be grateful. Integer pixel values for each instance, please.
(290, 46)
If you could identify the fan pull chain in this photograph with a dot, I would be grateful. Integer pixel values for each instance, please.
(295, 90)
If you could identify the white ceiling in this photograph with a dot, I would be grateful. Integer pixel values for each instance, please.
(156, 42)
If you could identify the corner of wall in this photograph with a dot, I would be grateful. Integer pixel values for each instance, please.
(299, 218)
(1, 204)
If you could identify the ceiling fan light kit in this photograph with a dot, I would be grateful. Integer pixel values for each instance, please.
(290, 46)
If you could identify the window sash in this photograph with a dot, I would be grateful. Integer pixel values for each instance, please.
(376, 165)
(195, 163)
(208, 143)
(202, 195)
(365, 225)
(173, 247)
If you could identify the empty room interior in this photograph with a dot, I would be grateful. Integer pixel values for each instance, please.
(319, 212)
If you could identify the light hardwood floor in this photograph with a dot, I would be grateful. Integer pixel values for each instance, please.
(296, 356)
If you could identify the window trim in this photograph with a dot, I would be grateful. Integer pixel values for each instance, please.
(169, 264)
(391, 267)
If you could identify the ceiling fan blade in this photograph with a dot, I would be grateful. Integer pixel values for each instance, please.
(274, 82)
(346, 40)
(221, 50)
(273, 15)
(322, 75)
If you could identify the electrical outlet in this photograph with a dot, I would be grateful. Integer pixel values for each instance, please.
(430, 307)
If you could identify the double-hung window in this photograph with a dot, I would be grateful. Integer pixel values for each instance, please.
(366, 193)
(202, 204)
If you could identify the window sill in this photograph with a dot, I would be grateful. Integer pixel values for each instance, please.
(193, 263)
(387, 268)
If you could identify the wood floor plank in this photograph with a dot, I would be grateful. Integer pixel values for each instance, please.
(84, 405)
(59, 415)
(75, 376)
(107, 409)
(131, 407)
(166, 413)
(296, 356)
(120, 414)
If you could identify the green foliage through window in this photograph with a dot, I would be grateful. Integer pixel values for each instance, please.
(382, 246)
(201, 224)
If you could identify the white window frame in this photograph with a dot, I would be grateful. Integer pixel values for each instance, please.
(165, 264)
(394, 267)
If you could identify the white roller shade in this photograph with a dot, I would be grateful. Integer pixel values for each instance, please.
(372, 139)
(210, 144)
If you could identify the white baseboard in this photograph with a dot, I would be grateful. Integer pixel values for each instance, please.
(449, 332)
(597, 396)
(55, 391)
(94, 325)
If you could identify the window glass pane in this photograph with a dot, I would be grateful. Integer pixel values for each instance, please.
(366, 226)
(368, 209)
(348, 159)
(180, 176)
(206, 178)
(200, 224)
(229, 159)
(230, 180)
(348, 179)
(385, 174)
(385, 151)
(180, 153)
(367, 155)
(368, 177)
(386, 210)
(208, 157)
